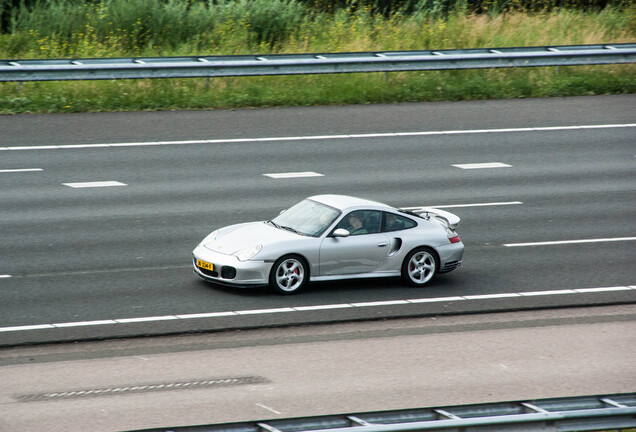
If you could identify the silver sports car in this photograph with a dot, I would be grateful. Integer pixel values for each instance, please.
(328, 237)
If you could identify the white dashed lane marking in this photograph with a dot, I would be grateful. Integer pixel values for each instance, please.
(293, 175)
(485, 165)
(297, 309)
(21, 170)
(562, 242)
(466, 205)
(96, 184)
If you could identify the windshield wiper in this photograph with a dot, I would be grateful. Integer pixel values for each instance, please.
(273, 223)
(288, 228)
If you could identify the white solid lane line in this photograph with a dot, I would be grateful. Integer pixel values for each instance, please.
(21, 170)
(562, 242)
(95, 184)
(143, 319)
(263, 311)
(27, 327)
(492, 296)
(319, 137)
(602, 289)
(293, 175)
(301, 309)
(85, 323)
(484, 165)
(5, 276)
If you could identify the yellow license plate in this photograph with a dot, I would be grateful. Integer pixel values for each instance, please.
(205, 265)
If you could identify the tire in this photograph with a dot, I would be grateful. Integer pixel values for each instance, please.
(420, 266)
(289, 275)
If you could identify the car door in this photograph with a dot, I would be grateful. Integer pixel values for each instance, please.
(361, 252)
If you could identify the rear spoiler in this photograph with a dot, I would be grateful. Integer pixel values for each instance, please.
(451, 220)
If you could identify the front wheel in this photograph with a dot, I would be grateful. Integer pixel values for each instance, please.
(289, 275)
(420, 266)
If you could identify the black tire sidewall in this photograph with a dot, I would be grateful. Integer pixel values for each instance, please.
(405, 274)
(273, 285)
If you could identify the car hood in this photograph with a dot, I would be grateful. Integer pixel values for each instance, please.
(237, 237)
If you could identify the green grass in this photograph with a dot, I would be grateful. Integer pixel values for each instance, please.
(124, 28)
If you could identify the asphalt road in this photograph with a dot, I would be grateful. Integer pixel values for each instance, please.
(96, 262)
(304, 371)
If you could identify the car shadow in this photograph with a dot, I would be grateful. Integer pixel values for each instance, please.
(342, 290)
(261, 291)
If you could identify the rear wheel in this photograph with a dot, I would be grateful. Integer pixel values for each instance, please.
(420, 266)
(289, 275)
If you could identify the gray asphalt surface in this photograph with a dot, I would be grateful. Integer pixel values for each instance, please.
(318, 370)
(78, 255)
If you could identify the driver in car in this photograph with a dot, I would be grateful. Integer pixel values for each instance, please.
(356, 225)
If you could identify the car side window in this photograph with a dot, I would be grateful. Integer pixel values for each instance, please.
(395, 222)
(362, 222)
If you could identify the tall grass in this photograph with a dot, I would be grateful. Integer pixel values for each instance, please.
(70, 28)
(122, 28)
(136, 26)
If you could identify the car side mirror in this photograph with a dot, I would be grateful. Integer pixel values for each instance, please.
(341, 232)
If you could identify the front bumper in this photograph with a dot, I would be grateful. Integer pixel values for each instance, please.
(229, 270)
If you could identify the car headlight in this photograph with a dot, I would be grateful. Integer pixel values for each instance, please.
(210, 237)
(248, 253)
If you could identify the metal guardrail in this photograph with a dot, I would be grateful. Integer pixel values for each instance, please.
(290, 64)
(586, 413)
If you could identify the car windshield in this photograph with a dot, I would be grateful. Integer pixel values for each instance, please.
(307, 217)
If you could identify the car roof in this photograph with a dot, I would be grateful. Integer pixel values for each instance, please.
(346, 203)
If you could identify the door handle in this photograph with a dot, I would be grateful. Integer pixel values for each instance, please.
(383, 244)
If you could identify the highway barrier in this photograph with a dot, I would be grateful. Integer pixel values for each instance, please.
(583, 413)
(294, 64)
